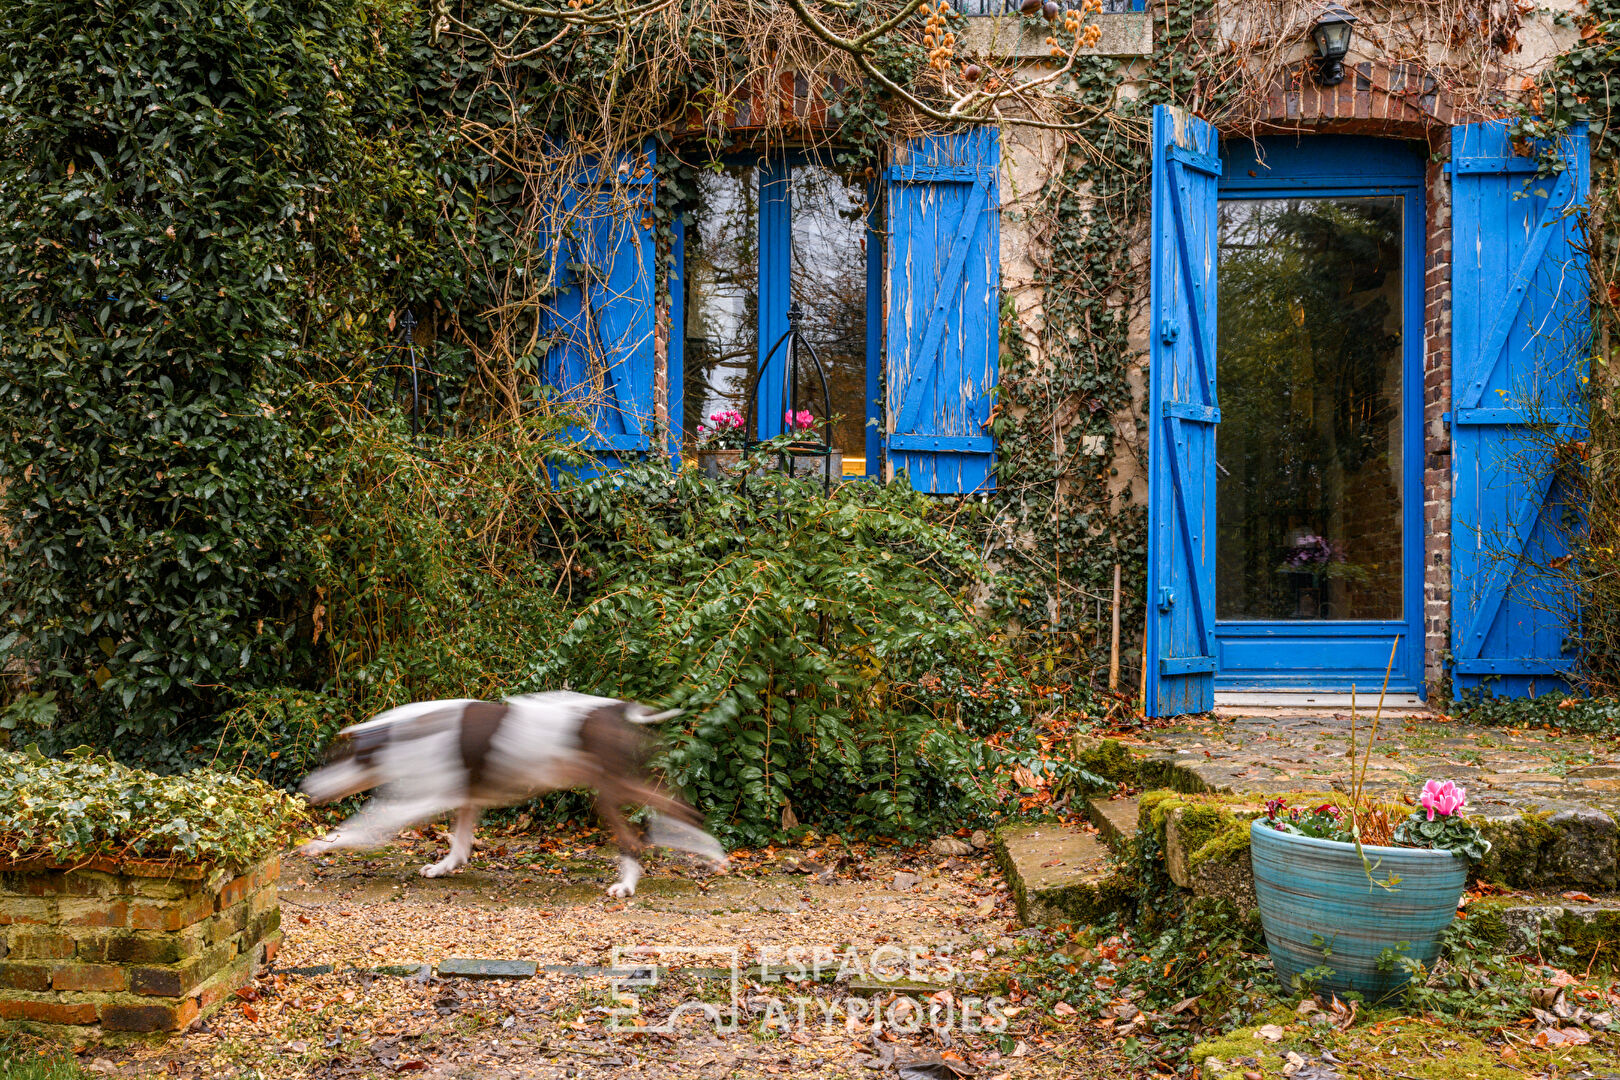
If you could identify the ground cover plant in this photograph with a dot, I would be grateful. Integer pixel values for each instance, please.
(83, 807)
(1574, 713)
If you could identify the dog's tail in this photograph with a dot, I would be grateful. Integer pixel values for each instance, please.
(638, 714)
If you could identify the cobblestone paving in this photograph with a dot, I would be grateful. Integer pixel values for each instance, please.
(1503, 768)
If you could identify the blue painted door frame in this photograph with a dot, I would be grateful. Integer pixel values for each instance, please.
(775, 232)
(1331, 655)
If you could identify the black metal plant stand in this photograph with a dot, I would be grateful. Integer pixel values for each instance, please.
(796, 345)
(410, 376)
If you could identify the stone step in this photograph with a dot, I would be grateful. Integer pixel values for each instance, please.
(1115, 820)
(1057, 873)
(1534, 923)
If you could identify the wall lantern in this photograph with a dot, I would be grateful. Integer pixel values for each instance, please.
(1332, 36)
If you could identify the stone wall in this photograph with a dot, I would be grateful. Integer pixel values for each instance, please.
(105, 950)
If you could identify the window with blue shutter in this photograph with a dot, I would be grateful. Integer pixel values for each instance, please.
(942, 342)
(1183, 414)
(600, 321)
(1520, 335)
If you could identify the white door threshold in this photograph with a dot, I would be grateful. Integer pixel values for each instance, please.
(1232, 702)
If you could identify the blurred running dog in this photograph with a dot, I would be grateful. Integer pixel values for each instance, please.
(465, 755)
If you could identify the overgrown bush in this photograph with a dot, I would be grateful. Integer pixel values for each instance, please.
(430, 561)
(796, 629)
(84, 807)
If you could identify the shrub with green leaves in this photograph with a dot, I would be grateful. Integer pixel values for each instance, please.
(84, 807)
(431, 569)
(795, 628)
(181, 180)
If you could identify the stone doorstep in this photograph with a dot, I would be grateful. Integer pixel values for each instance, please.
(1057, 874)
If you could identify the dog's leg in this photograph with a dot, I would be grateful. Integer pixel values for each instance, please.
(677, 826)
(378, 822)
(608, 805)
(460, 845)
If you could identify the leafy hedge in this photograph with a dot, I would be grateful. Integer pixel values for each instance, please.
(185, 182)
(86, 807)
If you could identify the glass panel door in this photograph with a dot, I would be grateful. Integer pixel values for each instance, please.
(1310, 502)
(764, 235)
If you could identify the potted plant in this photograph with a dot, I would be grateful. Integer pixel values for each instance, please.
(720, 443)
(810, 457)
(1347, 899)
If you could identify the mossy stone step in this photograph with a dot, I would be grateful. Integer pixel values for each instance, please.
(1057, 873)
(1535, 924)
(1115, 819)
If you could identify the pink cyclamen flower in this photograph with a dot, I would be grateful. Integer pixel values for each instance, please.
(804, 418)
(1443, 797)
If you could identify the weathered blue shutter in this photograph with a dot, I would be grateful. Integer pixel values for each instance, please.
(600, 322)
(1520, 336)
(1182, 418)
(943, 271)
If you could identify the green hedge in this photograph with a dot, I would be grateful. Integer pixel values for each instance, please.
(84, 807)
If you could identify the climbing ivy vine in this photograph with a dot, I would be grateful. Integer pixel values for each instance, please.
(1070, 432)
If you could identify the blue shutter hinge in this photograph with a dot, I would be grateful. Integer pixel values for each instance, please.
(1167, 599)
(1169, 330)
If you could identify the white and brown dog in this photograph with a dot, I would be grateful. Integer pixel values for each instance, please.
(465, 755)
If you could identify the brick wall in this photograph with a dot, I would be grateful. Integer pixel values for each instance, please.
(100, 951)
(1436, 439)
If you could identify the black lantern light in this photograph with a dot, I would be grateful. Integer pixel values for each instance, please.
(1332, 36)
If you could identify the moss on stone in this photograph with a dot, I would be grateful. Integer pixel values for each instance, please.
(1226, 846)
(1516, 846)
(1108, 759)
(1387, 1035)
(1521, 923)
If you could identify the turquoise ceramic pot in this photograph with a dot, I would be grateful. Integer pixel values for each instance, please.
(1320, 910)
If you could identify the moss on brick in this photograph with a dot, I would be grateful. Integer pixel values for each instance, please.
(99, 972)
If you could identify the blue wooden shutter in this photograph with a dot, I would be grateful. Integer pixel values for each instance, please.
(1520, 336)
(1182, 418)
(600, 321)
(942, 341)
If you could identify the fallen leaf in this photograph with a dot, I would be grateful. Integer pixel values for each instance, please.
(1578, 897)
(1063, 1008)
(1270, 1033)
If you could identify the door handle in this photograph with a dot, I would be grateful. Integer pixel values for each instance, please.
(1167, 599)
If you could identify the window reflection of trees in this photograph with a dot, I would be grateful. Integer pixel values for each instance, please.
(1310, 385)
(829, 283)
(827, 276)
(722, 293)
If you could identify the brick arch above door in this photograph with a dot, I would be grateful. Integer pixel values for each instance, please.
(1377, 97)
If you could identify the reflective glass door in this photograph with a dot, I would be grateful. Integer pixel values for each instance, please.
(1318, 344)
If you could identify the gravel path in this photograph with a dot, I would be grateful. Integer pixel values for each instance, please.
(877, 918)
